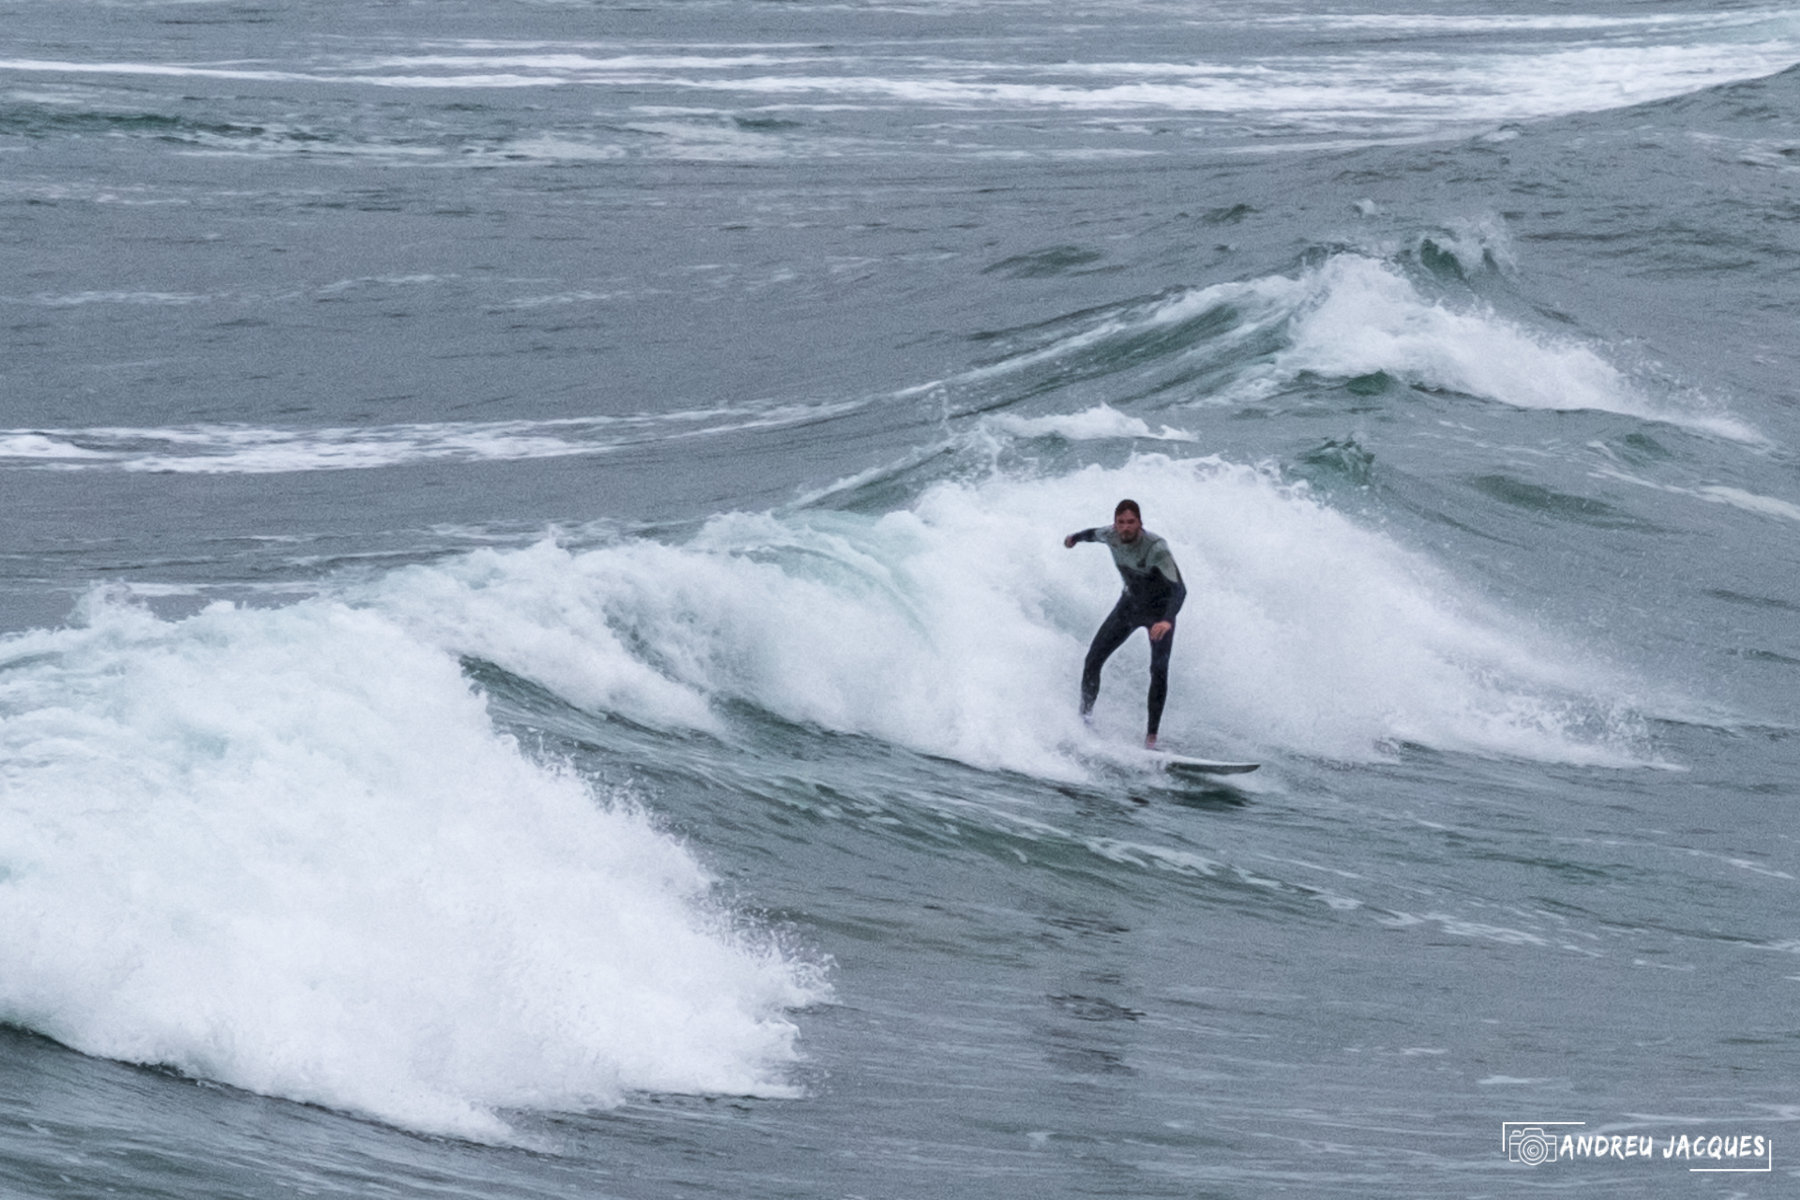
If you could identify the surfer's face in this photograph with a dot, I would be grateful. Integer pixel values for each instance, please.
(1127, 526)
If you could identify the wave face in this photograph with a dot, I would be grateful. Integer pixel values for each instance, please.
(233, 849)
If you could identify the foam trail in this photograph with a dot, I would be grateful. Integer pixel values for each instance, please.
(957, 626)
(228, 846)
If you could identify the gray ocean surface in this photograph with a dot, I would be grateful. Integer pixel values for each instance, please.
(537, 657)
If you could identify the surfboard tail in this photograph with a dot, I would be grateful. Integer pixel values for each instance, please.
(1205, 766)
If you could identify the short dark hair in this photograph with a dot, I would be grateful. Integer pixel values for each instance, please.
(1129, 506)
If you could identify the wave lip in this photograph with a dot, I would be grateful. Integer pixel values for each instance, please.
(1363, 316)
(229, 847)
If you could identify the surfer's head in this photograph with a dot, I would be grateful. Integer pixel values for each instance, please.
(1128, 520)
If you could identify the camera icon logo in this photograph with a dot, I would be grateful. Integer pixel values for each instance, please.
(1530, 1145)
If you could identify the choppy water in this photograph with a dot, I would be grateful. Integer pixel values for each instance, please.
(540, 659)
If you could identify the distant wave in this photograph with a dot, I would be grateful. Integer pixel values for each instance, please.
(1396, 84)
(246, 450)
(1361, 316)
(1353, 317)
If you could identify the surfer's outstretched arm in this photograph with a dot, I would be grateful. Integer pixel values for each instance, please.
(1086, 535)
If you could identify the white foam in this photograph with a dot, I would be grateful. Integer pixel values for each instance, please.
(229, 846)
(1715, 493)
(250, 450)
(1361, 316)
(1400, 92)
(1477, 245)
(1527, 67)
(705, 142)
(1380, 92)
(1767, 506)
(71, 67)
(553, 618)
(1438, 24)
(242, 450)
(37, 446)
(957, 627)
(561, 149)
(77, 299)
(1100, 423)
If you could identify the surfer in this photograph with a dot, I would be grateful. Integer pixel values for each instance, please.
(1152, 596)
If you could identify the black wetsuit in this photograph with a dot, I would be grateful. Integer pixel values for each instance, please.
(1153, 592)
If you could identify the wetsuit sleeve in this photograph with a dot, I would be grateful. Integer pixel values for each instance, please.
(1177, 597)
(1165, 566)
(1086, 535)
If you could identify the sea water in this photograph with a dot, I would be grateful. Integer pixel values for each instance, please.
(537, 656)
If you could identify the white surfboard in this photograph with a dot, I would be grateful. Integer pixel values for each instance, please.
(1183, 764)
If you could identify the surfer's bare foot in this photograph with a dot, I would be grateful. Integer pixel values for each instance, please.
(1150, 741)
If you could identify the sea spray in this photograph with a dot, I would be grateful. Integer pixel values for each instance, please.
(286, 850)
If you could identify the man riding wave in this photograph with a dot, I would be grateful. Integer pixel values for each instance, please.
(1153, 595)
